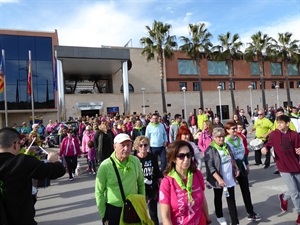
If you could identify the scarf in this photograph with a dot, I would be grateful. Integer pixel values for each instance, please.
(206, 135)
(125, 166)
(231, 141)
(220, 148)
(181, 184)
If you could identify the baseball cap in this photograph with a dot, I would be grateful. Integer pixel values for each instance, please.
(121, 138)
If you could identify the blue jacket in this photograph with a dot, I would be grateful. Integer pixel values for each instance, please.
(157, 134)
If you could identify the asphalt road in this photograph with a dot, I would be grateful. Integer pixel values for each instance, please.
(73, 203)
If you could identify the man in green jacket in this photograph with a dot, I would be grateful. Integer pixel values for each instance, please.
(107, 191)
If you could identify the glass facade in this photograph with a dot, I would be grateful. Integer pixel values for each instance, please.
(292, 69)
(218, 68)
(254, 68)
(276, 69)
(187, 67)
(16, 71)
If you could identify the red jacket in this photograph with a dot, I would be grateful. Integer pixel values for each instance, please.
(284, 145)
(70, 147)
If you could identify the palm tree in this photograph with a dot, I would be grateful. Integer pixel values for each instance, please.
(287, 51)
(197, 48)
(159, 43)
(229, 50)
(258, 50)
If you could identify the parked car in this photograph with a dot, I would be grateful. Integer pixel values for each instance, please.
(53, 138)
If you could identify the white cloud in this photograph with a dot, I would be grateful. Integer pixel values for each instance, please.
(102, 24)
(288, 24)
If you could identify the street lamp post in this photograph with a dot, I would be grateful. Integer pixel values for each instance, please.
(277, 95)
(220, 103)
(250, 89)
(143, 90)
(184, 101)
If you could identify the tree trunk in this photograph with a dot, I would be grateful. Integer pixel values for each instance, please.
(230, 70)
(162, 83)
(287, 83)
(262, 84)
(200, 84)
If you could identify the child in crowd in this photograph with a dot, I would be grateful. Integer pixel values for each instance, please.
(92, 157)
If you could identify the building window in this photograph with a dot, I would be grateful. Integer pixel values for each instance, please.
(233, 86)
(196, 86)
(276, 69)
(222, 84)
(292, 69)
(281, 84)
(181, 85)
(217, 68)
(260, 85)
(131, 88)
(292, 84)
(187, 67)
(254, 85)
(273, 84)
(254, 68)
(298, 84)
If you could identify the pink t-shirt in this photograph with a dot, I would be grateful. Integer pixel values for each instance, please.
(182, 212)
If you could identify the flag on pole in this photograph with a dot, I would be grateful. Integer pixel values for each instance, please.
(2, 74)
(29, 77)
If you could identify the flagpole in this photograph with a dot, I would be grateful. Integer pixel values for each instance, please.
(31, 87)
(5, 100)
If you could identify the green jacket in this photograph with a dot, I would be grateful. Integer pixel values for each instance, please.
(107, 188)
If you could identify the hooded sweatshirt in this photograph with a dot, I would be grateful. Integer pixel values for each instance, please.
(284, 145)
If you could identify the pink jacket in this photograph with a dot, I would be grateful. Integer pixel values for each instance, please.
(70, 147)
(205, 138)
(85, 139)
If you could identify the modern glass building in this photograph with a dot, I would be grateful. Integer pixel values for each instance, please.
(16, 49)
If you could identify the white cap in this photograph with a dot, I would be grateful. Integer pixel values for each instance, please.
(121, 138)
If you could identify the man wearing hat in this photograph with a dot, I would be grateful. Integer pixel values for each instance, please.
(107, 191)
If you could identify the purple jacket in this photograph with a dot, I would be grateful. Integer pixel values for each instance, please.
(91, 153)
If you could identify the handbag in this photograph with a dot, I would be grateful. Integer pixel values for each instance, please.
(129, 213)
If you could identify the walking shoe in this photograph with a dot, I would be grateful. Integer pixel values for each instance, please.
(71, 179)
(254, 217)
(222, 221)
(298, 220)
(283, 203)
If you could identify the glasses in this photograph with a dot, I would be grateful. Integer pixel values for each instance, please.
(259, 114)
(17, 142)
(183, 155)
(145, 145)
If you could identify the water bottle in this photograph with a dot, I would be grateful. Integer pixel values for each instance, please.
(226, 193)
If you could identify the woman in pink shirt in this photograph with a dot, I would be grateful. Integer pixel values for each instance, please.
(70, 149)
(181, 194)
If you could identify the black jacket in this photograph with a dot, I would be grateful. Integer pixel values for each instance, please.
(16, 173)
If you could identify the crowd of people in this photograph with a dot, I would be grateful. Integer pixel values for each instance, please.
(171, 161)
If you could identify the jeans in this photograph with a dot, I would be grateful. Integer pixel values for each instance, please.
(161, 152)
(244, 185)
(292, 182)
(71, 162)
(230, 203)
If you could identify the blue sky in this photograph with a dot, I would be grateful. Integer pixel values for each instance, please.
(93, 23)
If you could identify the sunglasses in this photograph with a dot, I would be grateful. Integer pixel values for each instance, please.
(183, 155)
(17, 142)
(259, 114)
(145, 145)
